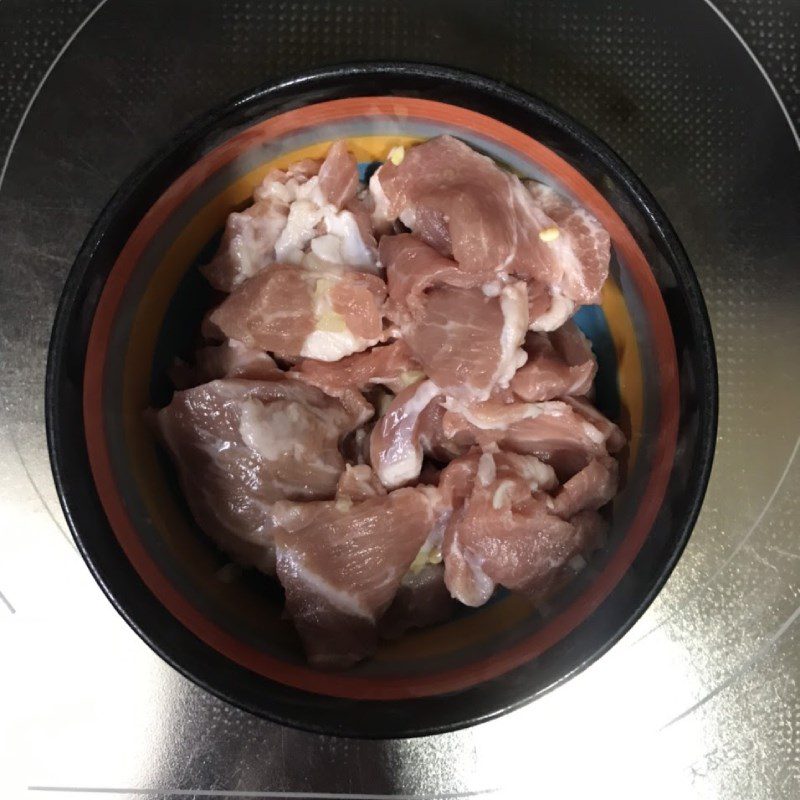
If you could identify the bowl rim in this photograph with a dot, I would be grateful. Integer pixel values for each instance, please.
(206, 123)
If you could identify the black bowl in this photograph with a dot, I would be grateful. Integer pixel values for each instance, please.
(134, 297)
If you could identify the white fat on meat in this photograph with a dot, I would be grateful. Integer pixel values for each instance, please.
(499, 416)
(352, 249)
(301, 227)
(332, 339)
(293, 208)
(280, 429)
(560, 310)
(330, 233)
(382, 216)
(514, 305)
(324, 314)
(241, 445)
(396, 449)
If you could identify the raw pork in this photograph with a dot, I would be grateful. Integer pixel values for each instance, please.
(560, 363)
(309, 214)
(240, 445)
(398, 439)
(231, 359)
(492, 220)
(295, 312)
(422, 600)
(560, 433)
(507, 534)
(341, 564)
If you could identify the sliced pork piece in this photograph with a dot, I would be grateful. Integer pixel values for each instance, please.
(248, 244)
(560, 363)
(231, 359)
(554, 431)
(241, 445)
(397, 440)
(448, 181)
(614, 437)
(329, 220)
(359, 483)
(469, 343)
(338, 175)
(493, 221)
(432, 439)
(413, 267)
(422, 600)
(294, 312)
(459, 476)
(505, 532)
(591, 488)
(581, 238)
(341, 564)
(520, 546)
(391, 365)
(273, 311)
(547, 310)
(308, 214)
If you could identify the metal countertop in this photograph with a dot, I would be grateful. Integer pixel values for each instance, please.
(701, 698)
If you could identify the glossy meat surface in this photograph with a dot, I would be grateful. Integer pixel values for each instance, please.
(391, 408)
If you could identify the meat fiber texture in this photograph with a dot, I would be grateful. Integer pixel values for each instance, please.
(389, 411)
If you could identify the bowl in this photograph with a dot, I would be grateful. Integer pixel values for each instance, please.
(134, 300)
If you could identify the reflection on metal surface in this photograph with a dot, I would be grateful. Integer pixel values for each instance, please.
(255, 794)
(706, 704)
(7, 604)
(773, 638)
(41, 83)
(750, 531)
(760, 67)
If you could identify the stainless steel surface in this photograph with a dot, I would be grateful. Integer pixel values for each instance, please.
(699, 700)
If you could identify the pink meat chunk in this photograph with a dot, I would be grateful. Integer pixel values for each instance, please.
(241, 445)
(338, 175)
(273, 311)
(413, 267)
(583, 236)
(466, 337)
(469, 343)
(560, 433)
(313, 212)
(295, 312)
(398, 438)
(493, 220)
(591, 488)
(231, 359)
(248, 244)
(422, 600)
(613, 436)
(560, 363)
(506, 533)
(341, 564)
(391, 365)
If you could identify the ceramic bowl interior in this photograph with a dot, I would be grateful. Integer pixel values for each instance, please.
(135, 299)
